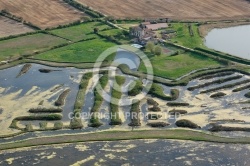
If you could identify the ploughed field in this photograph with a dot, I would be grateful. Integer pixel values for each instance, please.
(42, 13)
(10, 27)
(175, 9)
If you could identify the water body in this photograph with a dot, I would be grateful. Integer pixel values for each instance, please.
(233, 40)
(128, 58)
(134, 152)
(67, 77)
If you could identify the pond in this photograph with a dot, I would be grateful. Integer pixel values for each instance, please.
(128, 58)
(233, 40)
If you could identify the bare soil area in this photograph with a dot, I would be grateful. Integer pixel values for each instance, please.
(10, 27)
(42, 13)
(175, 9)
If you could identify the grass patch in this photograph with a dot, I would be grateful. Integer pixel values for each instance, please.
(86, 51)
(173, 67)
(183, 35)
(26, 45)
(80, 32)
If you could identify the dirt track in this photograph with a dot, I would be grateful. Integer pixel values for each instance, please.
(176, 9)
(42, 13)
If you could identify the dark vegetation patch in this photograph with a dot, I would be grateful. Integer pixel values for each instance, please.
(135, 114)
(151, 101)
(114, 105)
(247, 95)
(174, 104)
(47, 70)
(217, 75)
(226, 86)
(158, 124)
(24, 70)
(58, 125)
(241, 88)
(43, 125)
(229, 121)
(135, 88)
(94, 121)
(49, 117)
(246, 108)
(61, 99)
(45, 110)
(56, 88)
(218, 128)
(76, 122)
(218, 95)
(186, 123)
(154, 109)
(174, 111)
(154, 116)
(158, 91)
(219, 81)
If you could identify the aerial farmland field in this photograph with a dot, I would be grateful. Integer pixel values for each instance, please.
(42, 13)
(175, 9)
(10, 27)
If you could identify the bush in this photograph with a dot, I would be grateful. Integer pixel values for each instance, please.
(76, 124)
(247, 95)
(241, 88)
(173, 104)
(152, 102)
(154, 116)
(43, 125)
(28, 127)
(154, 109)
(45, 110)
(61, 99)
(174, 111)
(218, 95)
(187, 124)
(58, 125)
(49, 117)
(217, 128)
(158, 124)
(135, 114)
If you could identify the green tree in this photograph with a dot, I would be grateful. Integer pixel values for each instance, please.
(158, 50)
(96, 30)
(150, 46)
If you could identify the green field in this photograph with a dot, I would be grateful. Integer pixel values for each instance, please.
(27, 45)
(183, 36)
(87, 51)
(173, 67)
(80, 32)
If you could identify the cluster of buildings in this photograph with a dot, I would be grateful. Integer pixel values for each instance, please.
(146, 32)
